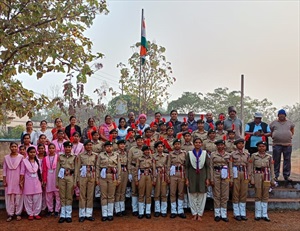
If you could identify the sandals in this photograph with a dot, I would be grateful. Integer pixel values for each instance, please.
(9, 219)
(19, 218)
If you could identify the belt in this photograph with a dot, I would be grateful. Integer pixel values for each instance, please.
(178, 168)
(133, 164)
(124, 167)
(69, 172)
(145, 171)
(262, 169)
(218, 168)
(111, 170)
(240, 168)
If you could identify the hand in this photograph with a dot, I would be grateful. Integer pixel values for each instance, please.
(118, 183)
(57, 186)
(207, 183)
(4, 184)
(21, 186)
(272, 183)
(212, 184)
(137, 183)
(153, 183)
(187, 183)
(98, 183)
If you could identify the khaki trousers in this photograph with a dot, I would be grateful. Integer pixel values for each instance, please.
(66, 189)
(177, 182)
(87, 189)
(108, 189)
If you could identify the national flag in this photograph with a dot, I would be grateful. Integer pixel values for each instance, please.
(144, 44)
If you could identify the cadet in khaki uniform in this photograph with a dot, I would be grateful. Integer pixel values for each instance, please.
(220, 132)
(187, 144)
(97, 144)
(113, 134)
(241, 170)
(149, 139)
(66, 181)
(170, 138)
(133, 154)
(86, 178)
(200, 132)
(162, 180)
(154, 127)
(176, 163)
(209, 144)
(262, 176)
(144, 179)
(163, 129)
(108, 170)
(221, 175)
(229, 143)
(121, 188)
(130, 139)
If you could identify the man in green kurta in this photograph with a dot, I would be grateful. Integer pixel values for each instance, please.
(197, 178)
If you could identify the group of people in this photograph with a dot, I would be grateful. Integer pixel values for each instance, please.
(185, 161)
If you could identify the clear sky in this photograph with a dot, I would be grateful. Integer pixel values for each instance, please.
(209, 43)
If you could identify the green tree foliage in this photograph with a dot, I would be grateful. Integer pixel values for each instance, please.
(219, 100)
(13, 133)
(40, 37)
(189, 101)
(129, 100)
(155, 77)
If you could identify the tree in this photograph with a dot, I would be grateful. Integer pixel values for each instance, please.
(13, 133)
(154, 81)
(188, 101)
(129, 102)
(220, 99)
(40, 37)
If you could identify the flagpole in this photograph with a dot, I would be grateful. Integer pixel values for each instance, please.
(140, 74)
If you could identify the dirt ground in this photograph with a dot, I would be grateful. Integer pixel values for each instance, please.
(280, 220)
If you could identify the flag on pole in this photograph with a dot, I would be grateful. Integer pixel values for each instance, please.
(144, 44)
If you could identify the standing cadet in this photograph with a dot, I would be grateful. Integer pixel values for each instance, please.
(229, 143)
(240, 171)
(176, 163)
(133, 154)
(262, 176)
(121, 188)
(220, 132)
(209, 144)
(221, 172)
(130, 141)
(144, 179)
(97, 144)
(86, 176)
(163, 128)
(162, 180)
(66, 181)
(200, 132)
(113, 134)
(187, 142)
(108, 170)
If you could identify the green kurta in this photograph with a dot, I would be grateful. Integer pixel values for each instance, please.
(197, 181)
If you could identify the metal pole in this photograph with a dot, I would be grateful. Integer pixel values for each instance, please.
(140, 75)
(242, 103)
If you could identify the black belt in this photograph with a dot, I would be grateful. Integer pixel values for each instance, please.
(240, 168)
(218, 167)
(146, 170)
(69, 172)
(262, 169)
(123, 165)
(133, 164)
(178, 168)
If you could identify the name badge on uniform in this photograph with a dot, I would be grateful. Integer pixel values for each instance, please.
(60, 153)
(33, 175)
(50, 170)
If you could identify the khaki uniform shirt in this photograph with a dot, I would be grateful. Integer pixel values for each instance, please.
(123, 158)
(187, 146)
(129, 144)
(145, 163)
(262, 161)
(89, 160)
(201, 135)
(161, 163)
(176, 158)
(218, 160)
(66, 162)
(220, 135)
(108, 161)
(241, 159)
(97, 147)
(133, 154)
(230, 147)
(209, 146)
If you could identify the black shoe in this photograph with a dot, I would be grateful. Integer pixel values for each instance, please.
(61, 220)
(81, 219)
(49, 214)
(182, 215)
(118, 214)
(173, 215)
(104, 219)
(225, 219)
(217, 218)
(238, 218)
(244, 218)
(140, 216)
(123, 213)
(148, 216)
(90, 218)
(163, 215)
(110, 218)
(135, 214)
(56, 214)
(69, 220)
(257, 218)
(156, 214)
(266, 219)
(288, 179)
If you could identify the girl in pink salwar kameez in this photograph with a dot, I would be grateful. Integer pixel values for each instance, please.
(41, 149)
(12, 182)
(49, 180)
(32, 189)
